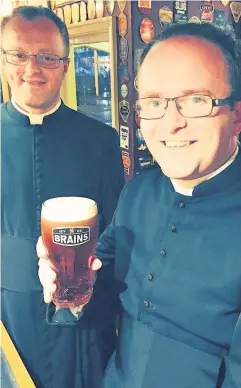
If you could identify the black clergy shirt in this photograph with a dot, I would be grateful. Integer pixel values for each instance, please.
(70, 154)
(178, 276)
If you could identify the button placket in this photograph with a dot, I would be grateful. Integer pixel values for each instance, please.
(181, 204)
(146, 303)
(150, 276)
(163, 252)
(173, 228)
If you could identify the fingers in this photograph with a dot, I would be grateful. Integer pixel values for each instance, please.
(47, 278)
(41, 250)
(47, 275)
(94, 263)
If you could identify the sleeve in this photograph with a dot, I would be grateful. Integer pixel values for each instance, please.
(105, 302)
(112, 181)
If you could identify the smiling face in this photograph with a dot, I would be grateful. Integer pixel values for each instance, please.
(35, 89)
(188, 148)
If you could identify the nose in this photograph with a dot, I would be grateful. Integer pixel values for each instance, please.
(173, 121)
(32, 66)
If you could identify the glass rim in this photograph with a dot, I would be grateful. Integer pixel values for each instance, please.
(75, 198)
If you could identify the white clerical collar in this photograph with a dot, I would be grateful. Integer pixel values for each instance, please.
(35, 118)
(181, 190)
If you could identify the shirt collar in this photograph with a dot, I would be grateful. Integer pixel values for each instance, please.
(189, 191)
(35, 118)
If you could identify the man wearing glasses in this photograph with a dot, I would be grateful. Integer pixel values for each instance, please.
(174, 240)
(48, 150)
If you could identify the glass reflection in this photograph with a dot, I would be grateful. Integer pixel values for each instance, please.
(93, 92)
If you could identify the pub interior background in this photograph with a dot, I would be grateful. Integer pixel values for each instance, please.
(107, 39)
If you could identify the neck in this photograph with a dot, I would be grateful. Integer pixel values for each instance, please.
(37, 110)
(190, 184)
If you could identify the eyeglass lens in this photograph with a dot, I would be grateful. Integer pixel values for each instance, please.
(196, 105)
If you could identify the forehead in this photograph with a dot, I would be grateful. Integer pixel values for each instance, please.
(31, 35)
(184, 63)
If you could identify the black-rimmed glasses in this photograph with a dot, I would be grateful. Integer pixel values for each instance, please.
(190, 106)
(21, 58)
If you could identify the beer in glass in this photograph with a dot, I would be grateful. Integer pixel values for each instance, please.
(69, 228)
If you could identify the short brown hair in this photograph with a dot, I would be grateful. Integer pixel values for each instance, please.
(31, 13)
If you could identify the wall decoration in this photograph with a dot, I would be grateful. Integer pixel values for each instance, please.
(121, 4)
(141, 144)
(99, 8)
(219, 18)
(126, 162)
(91, 9)
(236, 10)
(123, 73)
(124, 90)
(109, 6)
(124, 109)
(165, 15)
(123, 49)
(124, 137)
(67, 14)
(225, 2)
(146, 30)
(137, 59)
(180, 11)
(144, 6)
(83, 11)
(194, 19)
(75, 10)
(122, 24)
(145, 161)
(60, 13)
(60, 2)
(207, 12)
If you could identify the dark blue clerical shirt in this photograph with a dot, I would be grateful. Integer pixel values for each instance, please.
(178, 276)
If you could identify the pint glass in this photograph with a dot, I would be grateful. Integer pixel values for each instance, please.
(69, 228)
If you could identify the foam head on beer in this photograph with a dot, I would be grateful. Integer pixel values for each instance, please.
(68, 209)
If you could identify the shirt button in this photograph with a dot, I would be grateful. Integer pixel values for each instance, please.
(181, 204)
(173, 228)
(146, 303)
(163, 252)
(150, 276)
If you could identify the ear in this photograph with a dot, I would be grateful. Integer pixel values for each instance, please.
(3, 61)
(237, 118)
(66, 66)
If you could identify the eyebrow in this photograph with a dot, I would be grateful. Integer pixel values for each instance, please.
(185, 92)
(196, 91)
(41, 51)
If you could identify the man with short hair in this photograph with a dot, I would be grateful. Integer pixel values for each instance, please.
(174, 240)
(49, 150)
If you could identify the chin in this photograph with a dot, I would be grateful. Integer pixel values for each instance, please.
(177, 173)
(34, 104)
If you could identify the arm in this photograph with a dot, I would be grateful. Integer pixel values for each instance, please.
(104, 304)
(105, 301)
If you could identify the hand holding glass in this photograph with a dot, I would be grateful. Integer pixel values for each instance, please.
(70, 232)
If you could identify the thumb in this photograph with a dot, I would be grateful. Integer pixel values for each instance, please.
(94, 263)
